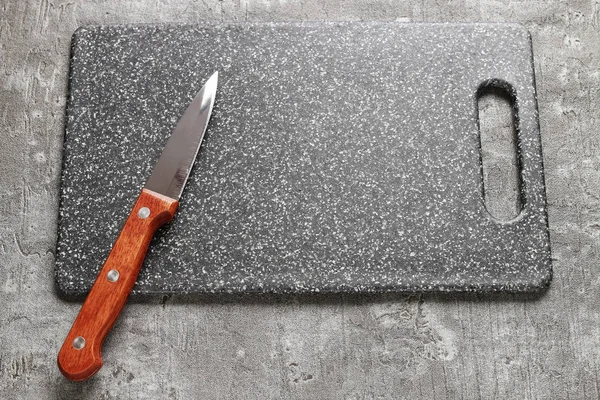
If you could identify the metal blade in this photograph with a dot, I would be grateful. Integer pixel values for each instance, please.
(175, 163)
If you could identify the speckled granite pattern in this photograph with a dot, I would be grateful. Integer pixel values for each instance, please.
(340, 157)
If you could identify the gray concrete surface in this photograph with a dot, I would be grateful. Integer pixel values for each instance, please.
(338, 347)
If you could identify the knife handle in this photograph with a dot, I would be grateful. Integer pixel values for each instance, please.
(81, 354)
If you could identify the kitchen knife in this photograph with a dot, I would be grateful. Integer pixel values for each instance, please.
(81, 354)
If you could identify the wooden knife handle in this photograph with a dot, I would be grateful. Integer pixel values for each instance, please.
(81, 354)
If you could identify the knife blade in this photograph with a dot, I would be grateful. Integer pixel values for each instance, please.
(80, 356)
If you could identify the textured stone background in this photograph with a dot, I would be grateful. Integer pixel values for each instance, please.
(381, 347)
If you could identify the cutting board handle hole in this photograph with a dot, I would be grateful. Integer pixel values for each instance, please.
(498, 124)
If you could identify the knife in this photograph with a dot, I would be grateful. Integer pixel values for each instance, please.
(81, 354)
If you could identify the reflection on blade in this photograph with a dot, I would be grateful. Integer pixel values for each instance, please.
(173, 168)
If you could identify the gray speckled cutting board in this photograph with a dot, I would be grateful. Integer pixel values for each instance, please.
(341, 157)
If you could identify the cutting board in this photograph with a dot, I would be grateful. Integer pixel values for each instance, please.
(340, 157)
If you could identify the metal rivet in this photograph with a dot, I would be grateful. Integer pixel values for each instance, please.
(79, 343)
(144, 212)
(113, 275)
